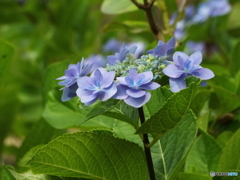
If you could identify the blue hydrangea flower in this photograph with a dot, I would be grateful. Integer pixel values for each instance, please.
(112, 59)
(132, 88)
(183, 67)
(163, 49)
(211, 8)
(194, 46)
(99, 85)
(73, 72)
(96, 60)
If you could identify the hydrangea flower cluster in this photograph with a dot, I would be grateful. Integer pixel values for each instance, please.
(205, 10)
(129, 79)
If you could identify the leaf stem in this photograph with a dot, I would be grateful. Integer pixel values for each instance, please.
(146, 149)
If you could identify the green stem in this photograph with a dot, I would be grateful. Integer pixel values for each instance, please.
(146, 149)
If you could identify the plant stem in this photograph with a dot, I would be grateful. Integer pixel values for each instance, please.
(146, 149)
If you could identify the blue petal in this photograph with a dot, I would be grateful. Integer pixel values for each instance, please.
(173, 71)
(179, 58)
(121, 92)
(177, 84)
(108, 79)
(135, 93)
(107, 93)
(111, 60)
(138, 102)
(69, 93)
(203, 73)
(86, 95)
(150, 86)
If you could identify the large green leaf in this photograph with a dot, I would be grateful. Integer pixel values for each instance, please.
(170, 151)
(223, 138)
(190, 176)
(92, 155)
(117, 7)
(229, 101)
(230, 158)
(171, 112)
(235, 63)
(158, 98)
(204, 155)
(6, 52)
(63, 115)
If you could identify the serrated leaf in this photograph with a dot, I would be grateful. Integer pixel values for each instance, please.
(204, 155)
(61, 115)
(190, 176)
(6, 52)
(170, 151)
(90, 155)
(230, 158)
(12, 175)
(158, 98)
(171, 112)
(117, 7)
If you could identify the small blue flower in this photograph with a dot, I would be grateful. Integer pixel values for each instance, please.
(163, 49)
(132, 88)
(99, 85)
(211, 8)
(121, 55)
(183, 67)
(73, 72)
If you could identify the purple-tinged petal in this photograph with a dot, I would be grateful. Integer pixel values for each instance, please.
(107, 93)
(161, 50)
(160, 42)
(91, 102)
(171, 43)
(121, 92)
(203, 73)
(84, 82)
(177, 84)
(108, 79)
(69, 93)
(150, 51)
(70, 73)
(196, 58)
(132, 50)
(170, 51)
(98, 78)
(180, 61)
(148, 76)
(111, 60)
(133, 73)
(65, 82)
(173, 71)
(149, 86)
(135, 93)
(122, 80)
(203, 83)
(138, 102)
(63, 77)
(129, 80)
(86, 95)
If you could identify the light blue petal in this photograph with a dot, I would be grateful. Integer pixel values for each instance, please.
(138, 102)
(203, 73)
(150, 86)
(135, 93)
(107, 93)
(177, 84)
(173, 71)
(121, 92)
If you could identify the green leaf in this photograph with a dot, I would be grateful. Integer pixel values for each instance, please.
(230, 158)
(189, 176)
(6, 52)
(6, 174)
(132, 26)
(229, 101)
(41, 133)
(91, 155)
(117, 7)
(235, 63)
(101, 107)
(203, 121)
(223, 138)
(63, 115)
(158, 98)
(12, 175)
(170, 151)
(171, 112)
(204, 155)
